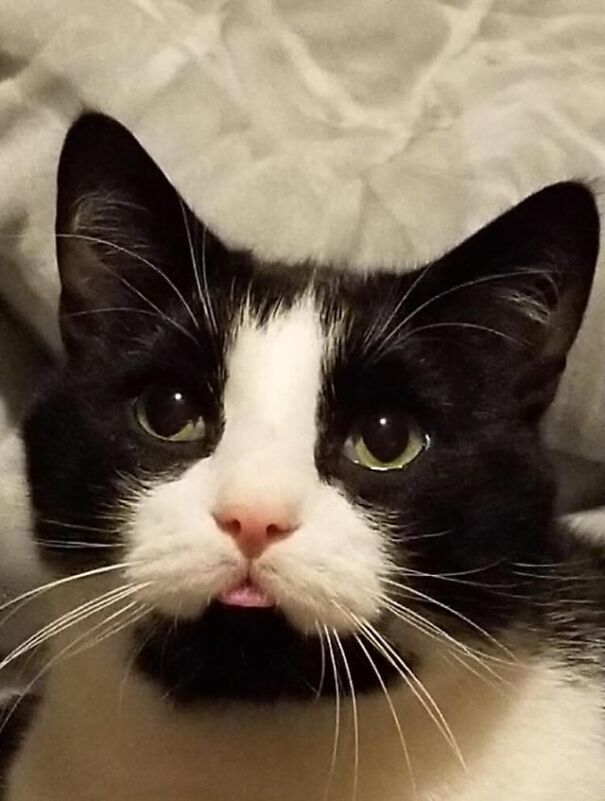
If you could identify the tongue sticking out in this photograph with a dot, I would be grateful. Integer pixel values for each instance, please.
(246, 595)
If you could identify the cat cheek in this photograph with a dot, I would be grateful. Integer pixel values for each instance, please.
(176, 553)
(314, 597)
(330, 573)
(182, 584)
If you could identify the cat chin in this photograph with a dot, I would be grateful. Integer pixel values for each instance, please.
(255, 655)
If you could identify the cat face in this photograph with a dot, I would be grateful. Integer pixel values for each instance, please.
(294, 464)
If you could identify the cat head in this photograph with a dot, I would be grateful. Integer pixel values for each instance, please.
(283, 458)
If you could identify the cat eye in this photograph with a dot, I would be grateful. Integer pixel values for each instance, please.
(388, 440)
(170, 413)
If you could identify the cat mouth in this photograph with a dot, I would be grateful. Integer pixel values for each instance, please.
(246, 595)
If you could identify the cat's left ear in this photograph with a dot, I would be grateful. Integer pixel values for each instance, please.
(524, 281)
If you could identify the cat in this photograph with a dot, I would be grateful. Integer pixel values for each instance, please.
(300, 520)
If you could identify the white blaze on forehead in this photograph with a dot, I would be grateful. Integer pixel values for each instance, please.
(270, 404)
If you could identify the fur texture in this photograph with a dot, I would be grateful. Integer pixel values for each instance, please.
(420, 627)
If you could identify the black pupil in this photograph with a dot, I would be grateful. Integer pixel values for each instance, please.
(386, 435)
(168, 410)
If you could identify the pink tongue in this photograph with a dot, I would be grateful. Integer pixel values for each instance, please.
(246, 595)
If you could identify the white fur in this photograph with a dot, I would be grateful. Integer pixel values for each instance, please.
(335, 558)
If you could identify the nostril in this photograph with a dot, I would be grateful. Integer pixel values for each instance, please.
(233, 526)
(273, 531)
(230, 525)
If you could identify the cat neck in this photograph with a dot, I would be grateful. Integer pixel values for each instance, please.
(103, 734)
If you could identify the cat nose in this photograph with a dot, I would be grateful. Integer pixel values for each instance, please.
(254, 529)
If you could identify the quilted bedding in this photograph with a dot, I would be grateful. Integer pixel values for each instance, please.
(360, 132)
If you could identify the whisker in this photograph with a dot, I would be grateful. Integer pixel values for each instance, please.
(414, 684)
(203, 294)
(140, 610)
(386, 341)
(79, 526)
(494, 588)
(376, 334)
(116, 310)
(69, 619)
(336, 741)
(76, 544)
(132, 661)
(473, 326)
(560, 578)
(322, 646)
(136, 291)
(137, 256)
(410, 571)
(432, 535)
(205, 280)
(54, 660)
(431, 630)
(349, 675)
(418, 594)
(393, 711)
(496, 687)
(30, 595)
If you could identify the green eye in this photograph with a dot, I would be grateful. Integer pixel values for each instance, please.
(169, 413)
(385, 441)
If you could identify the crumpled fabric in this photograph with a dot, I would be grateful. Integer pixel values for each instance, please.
(357, 132)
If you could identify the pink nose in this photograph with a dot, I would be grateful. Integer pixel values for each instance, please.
(254, 529)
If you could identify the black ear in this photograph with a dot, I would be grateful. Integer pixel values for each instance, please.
(523, 283)
(124, 236)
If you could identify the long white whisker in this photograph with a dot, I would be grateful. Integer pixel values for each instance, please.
(132, 661)
(69, 619)
(139, 258)
(60, 656)
(453, 576)
(336, 741)
(431, 630)
(116, 310)
(349, 675)
(476, 673)
(322, 672)
(472, 326)
(418, 594)
(378, 334)
(140, 611)
(138, 293)
(440, 295)
(203, 294)
(415, 685)
(414, 538)
(77, 545)
(78, 526)
(393, 711)
(30, 595)
(413, 617)
(205, 280)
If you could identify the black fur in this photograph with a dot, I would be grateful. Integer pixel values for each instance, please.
(464, 358)
(251, 655)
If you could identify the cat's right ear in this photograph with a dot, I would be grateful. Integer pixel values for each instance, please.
(124, 236)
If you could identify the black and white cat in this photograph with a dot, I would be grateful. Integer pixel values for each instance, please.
(301, 520)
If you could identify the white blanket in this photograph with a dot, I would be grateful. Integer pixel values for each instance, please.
(361, 132)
